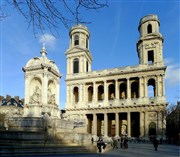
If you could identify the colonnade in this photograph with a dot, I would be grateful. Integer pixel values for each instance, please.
(128, 88)
(136, 124)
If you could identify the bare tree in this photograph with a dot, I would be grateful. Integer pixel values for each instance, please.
(42, 14)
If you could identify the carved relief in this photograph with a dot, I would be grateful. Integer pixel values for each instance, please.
(51, 97)
(51, 93)
(36, 96)
(123, 96)
(151, 45)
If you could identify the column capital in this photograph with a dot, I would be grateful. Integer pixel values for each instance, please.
(105, 81)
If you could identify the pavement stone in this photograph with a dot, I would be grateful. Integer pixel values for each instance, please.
(134, 150)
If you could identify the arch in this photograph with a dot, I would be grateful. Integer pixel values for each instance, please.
(90, 94)
(152, 129)
(35, 90)
(76, 40)
(151, 87)
(101, 92)
(134, 90)
(76, 65)
(149, 28)
(123, 91)
(76, 94)
(111, 92)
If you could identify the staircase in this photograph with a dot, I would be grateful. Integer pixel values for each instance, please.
(28, 143)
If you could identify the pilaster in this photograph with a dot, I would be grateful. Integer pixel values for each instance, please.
(128, 89)
(116, 89)
(105, 91)
(117, 123)
(95, 124)
(105, 124)
(129, 123)
(94, 92)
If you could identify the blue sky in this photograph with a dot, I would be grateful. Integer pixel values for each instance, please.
(114, 33)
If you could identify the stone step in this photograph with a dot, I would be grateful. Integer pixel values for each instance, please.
(40, 149)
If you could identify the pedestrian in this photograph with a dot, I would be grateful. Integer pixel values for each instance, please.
(92, 140)
(121, 142)
(155, 143)
(100, 143)
(115, 144)
(125, 143)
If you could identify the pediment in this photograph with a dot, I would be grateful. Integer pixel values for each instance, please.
(76, 49)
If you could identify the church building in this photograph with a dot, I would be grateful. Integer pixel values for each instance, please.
(117, 101)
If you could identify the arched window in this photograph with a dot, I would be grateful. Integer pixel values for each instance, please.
(149, 28)
(76, 65)
(76, 40)
(151, 88)
(151, 57)
(111, 91)
(90, 93)
(134, 90)
(76, 94)
(123, 91)
(87, 45)
(87, 66)
(100, 92)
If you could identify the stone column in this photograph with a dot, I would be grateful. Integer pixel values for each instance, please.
(145, 87)
(142, 129)
(117, 123)
(117, 89)
(44, 88)
(94, 92)
(157, 86)
(57, 91)
(80, 92)
(72, 94)
(105, 91)
(163, 86)
(157, 128)
(70, 66)
(80, 64)
(146, 124)
(72, 41)
(105, 124)
(95, 124)
(140, 87)
(129, 123)
(84, 62)
(27, 94)
(128, 89)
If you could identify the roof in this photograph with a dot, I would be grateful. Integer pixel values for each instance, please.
(11, 102)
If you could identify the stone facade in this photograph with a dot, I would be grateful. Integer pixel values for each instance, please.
(117, 101)
(42, 85)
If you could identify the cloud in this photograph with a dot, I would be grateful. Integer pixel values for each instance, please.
(172, 73)
(48, 39)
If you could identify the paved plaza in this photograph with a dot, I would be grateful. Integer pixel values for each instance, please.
(134, 150)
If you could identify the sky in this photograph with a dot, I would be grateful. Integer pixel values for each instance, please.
(114, 34)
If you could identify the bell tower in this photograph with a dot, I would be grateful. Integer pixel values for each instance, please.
(150, 42)
(78, 56)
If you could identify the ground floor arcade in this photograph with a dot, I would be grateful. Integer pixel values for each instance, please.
(132, 123)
